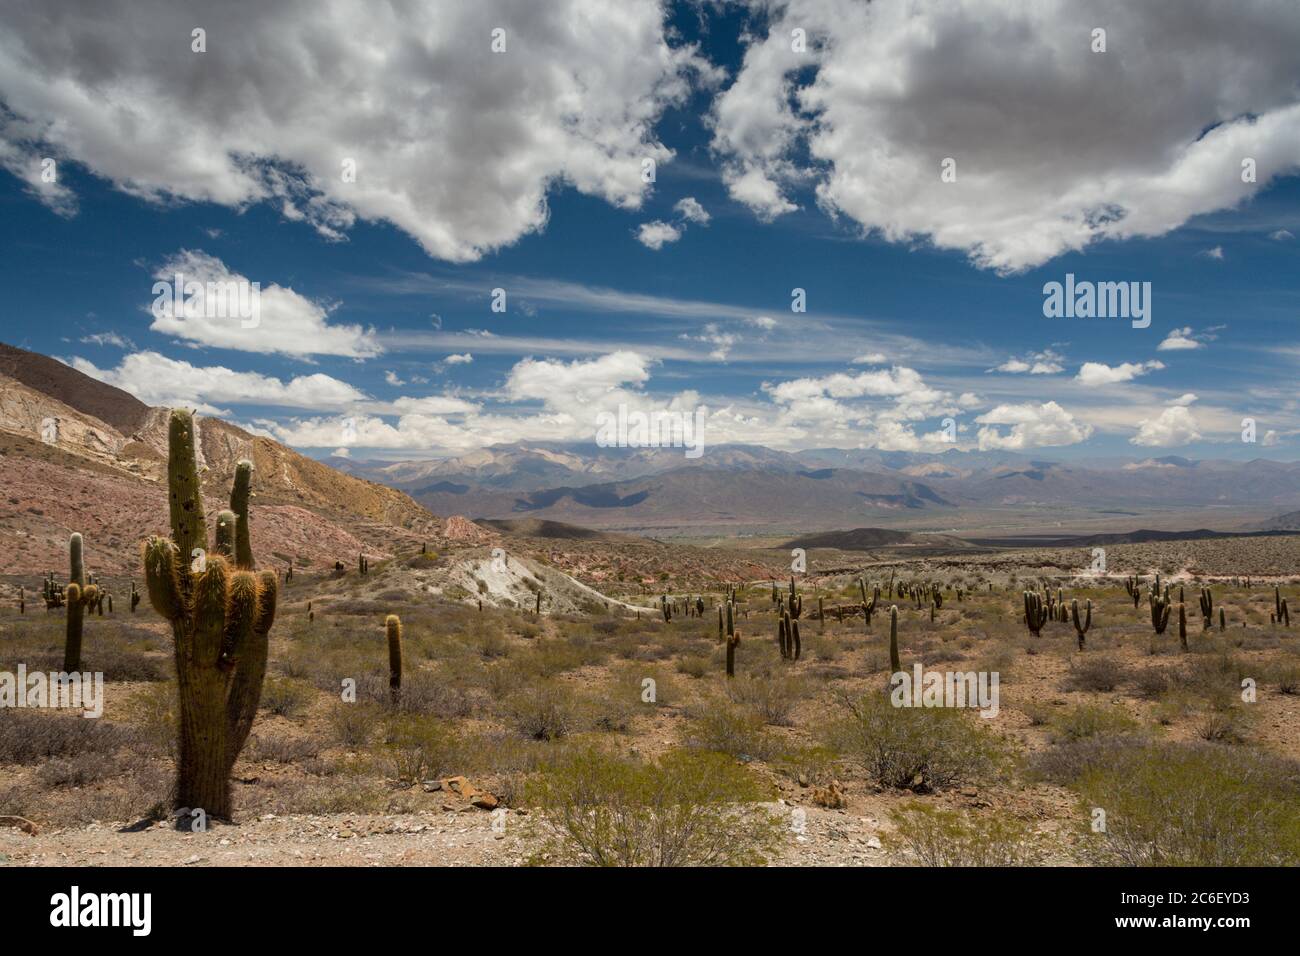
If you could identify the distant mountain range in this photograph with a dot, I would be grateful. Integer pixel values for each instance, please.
(101, 473)
(735, 487)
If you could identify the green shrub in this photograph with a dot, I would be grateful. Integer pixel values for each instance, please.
(33, 736)
(153, 713)
(938, 837)
(1173, 804)
(913, 748)
(352, 725)
(772, 698)
(1093, 673)
(1090, 720)
(285, 696)
(724, 727)
(543, 711)
(693, 665)
(686, 809)
(419, 747)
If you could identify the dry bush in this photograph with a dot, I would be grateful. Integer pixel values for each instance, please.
(353, 725)
(1151, 682)
(285, 696)
(545, 710)
(772, 698)
(686, 809)
(694, 665)
(153, 713)
(1090, 720)
(28, 737)
(724, 727)
(1094, 673)
(1194, 805)
(278, 748)
(936, 837)
(419, 747)
(1224, 725)
(913, 748)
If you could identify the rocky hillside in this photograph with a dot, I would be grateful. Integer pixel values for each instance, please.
(76, 454)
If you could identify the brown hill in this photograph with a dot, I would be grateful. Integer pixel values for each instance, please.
(106, 482)
(89, 396)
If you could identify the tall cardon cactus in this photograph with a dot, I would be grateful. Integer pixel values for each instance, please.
(221, 612)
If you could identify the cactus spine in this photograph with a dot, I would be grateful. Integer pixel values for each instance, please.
(393, 629)
(220, 616)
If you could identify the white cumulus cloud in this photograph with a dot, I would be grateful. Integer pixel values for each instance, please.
(158, 380)
(338, 110)
(1032, 426)
(1176, 425)
(1097, 373)
(286, 321)
(1055, 146)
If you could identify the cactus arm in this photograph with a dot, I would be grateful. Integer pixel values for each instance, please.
(224, 541)
(160, 578)
(210, 593)
(76, 561)
(185, 494)
(241, 611)
(239, 496)
(268, 597)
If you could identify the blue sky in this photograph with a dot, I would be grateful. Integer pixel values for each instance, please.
(776, 170)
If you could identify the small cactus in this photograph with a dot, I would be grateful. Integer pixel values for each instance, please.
(894, 663)
(1036, 612)
(1182, 626)
(1160, 610)
(393, 629)
(732, 641)
(79, 596)
(1081, 629)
